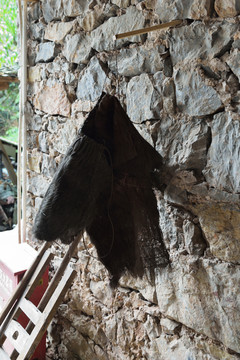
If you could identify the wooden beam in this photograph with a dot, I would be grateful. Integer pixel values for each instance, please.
(4, 86)
(146, 30)
(8, 79)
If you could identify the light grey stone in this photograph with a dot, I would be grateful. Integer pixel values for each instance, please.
(227, 8)
(223, 196)
(30, 213)
(69, 77)
(52, 124)
(37, 184)
(77, 346)
(158, 81)
(34, 160)
(91, 21)
(35, 123)
(32, 50)
(96, 17)
(187, 346)
(233, 61)
(169, 96)
(82, 106)
(91, 83)
(34, 12)
(46, 52)
(77, 48)
(43, 141)
(223, 160)
(200, 41)
(170, 326)
(102, 37)
(202, 299)
(53, 100)
(52, 10)
(193, 96)
(32, 139)
(54, 68)
(101, 291)
(168, 10)
(74, 8)
(138, 60)
(171, 224)
(142, 99)
(121, 3)
(194, 242)
(236, 44)
(57, 31)
(37, 30)
(33, 120)
(38, 201)
(60, 142)
(152, 328)
(48, 166)
(143, 285)
(34, 74)
(220, 225)
(182, 143)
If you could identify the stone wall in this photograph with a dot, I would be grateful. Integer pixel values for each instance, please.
(181, 89)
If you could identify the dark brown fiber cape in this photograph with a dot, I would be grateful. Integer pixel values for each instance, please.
(104, 186)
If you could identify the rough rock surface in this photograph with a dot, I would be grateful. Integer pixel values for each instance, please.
(204, 99)
(53, 100)
(183, 143)
(219, 224)
(200, 41)
(102, 37)
(138, 60)
(77, 48)
(227, 8)
(224, 154)
(46, 52)
(192, 295)
(233, 62)
(181, 89)
(91, 84)
(143, 99)
(57, 31)
(183, 9)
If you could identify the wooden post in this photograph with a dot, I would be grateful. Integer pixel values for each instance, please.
(24, 128)
(19, 159)
(22, 138)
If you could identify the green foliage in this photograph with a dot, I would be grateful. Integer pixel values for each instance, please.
(8, 33)
(9, 99)
(9, 112)
(12, 134)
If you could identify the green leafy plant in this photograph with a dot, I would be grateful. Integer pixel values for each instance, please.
(9, 111)
(8, 33)
(9, 99)
(12, 134)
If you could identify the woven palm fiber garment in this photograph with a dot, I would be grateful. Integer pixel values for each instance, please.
(104, 186)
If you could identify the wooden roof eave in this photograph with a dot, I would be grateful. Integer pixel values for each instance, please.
(6, 80)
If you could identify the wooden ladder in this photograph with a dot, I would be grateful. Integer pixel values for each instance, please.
(26, 340)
